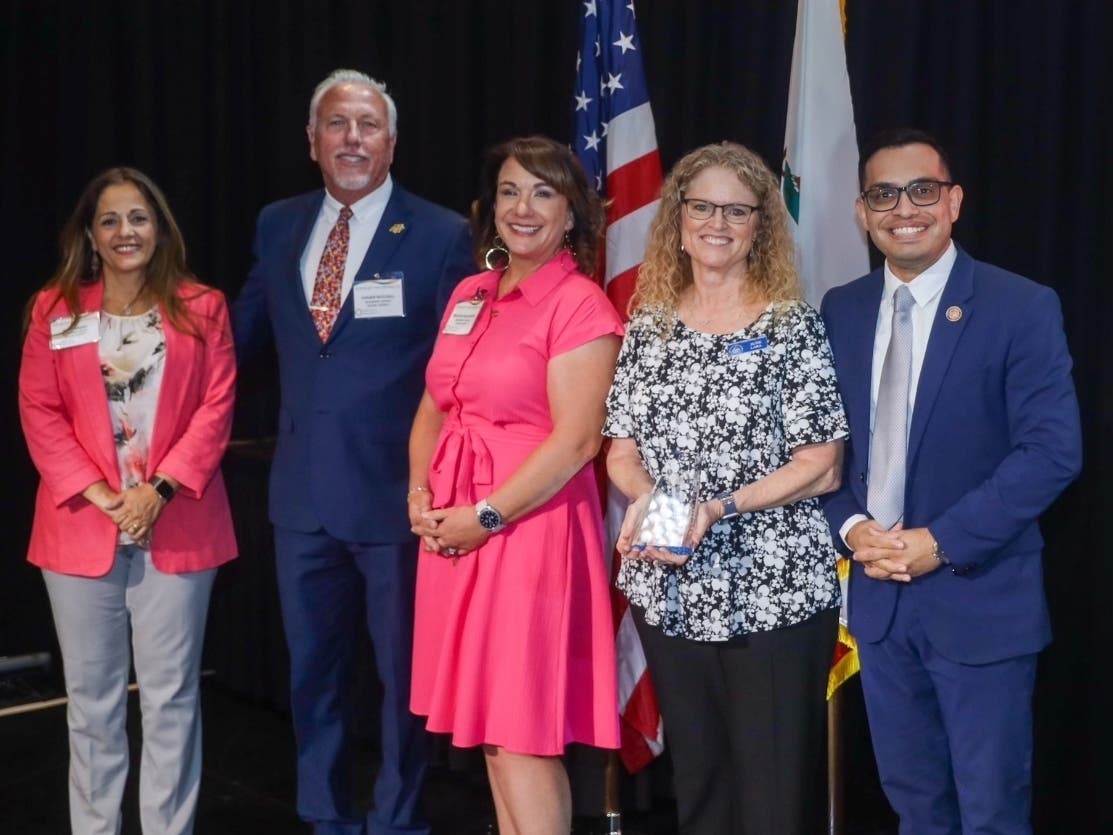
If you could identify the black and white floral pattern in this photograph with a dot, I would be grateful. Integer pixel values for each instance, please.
(743, 412)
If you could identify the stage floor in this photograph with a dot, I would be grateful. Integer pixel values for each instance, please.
(248, 781)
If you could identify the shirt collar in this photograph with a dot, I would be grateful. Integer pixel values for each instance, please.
(541, 282)
(928, 284)
(366, 206)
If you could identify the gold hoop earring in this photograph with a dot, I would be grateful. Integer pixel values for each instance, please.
(498, 256)
(94, 263)
(568, 243)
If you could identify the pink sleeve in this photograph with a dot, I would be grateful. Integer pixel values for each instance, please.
(583, 313)
(64, 465)
(195, 455)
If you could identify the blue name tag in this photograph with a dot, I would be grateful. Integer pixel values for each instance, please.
(745, 346)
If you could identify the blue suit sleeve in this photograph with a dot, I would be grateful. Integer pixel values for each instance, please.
(251, 327)
(842, 503)
(1045, 440)
(458, 264)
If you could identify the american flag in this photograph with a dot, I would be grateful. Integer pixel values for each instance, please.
(617, 143)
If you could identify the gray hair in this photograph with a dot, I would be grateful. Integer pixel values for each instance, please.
(354, 77)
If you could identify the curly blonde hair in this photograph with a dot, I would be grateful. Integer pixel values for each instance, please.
(667, 270)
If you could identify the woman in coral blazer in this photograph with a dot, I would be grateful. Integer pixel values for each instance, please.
(126, 388)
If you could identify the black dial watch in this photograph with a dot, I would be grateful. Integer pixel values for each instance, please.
(163, 487)
(488, 517)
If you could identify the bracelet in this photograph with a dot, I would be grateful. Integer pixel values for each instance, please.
(937, 553)
(417, 489)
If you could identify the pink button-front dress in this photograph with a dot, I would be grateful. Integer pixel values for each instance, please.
(514, 642)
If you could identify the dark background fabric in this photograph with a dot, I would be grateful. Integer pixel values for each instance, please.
(210, 98)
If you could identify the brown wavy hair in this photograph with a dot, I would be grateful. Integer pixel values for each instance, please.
(554, 163)
(166, 273)
(667, 271)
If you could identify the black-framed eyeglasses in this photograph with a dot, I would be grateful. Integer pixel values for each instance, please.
(884, 198)
(736, 213)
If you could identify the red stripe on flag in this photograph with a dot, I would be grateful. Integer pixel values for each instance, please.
(635, 752)
(620, 289)
(633, 185)
(642, 712)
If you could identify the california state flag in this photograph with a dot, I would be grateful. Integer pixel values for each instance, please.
(820, 174)
(820, 184)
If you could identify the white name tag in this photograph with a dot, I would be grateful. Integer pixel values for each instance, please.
(463, 317)
(378, 297)
(85, 331)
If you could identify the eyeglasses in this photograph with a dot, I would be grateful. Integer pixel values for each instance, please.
(920, 193)
(736, 213)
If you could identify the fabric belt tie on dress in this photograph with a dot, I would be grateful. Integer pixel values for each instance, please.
(461, 462)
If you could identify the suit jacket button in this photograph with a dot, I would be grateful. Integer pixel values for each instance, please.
(324, 355)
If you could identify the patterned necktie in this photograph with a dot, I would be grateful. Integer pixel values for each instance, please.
(325, 304)
(889, 446)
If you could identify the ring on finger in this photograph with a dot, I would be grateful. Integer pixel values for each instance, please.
(451, 551)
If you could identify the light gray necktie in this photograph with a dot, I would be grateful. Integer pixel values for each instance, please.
(889, 446)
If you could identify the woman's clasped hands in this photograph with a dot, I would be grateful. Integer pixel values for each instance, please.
(448, 531)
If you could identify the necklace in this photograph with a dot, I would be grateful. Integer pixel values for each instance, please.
(731, 315)
(126, 309)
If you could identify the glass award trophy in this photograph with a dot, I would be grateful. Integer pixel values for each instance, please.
(672, 506)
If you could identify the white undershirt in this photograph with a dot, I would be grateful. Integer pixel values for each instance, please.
(927, 290)
(362, 225)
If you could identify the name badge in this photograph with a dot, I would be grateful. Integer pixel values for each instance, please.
(85, 331)
(463, 317)
(746, 346)
(378, 297)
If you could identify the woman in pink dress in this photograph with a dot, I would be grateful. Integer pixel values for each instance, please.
(513, 638)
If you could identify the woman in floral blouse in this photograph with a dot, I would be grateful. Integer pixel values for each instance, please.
(126, 387)
(723, 361)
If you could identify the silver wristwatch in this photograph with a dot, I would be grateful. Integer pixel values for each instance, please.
(488, 517)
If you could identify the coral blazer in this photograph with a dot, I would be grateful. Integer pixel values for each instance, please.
(63, 408)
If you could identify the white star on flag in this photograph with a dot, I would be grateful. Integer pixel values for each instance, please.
(625, 42)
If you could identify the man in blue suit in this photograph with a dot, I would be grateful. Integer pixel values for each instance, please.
(964, 426)
(349, 283)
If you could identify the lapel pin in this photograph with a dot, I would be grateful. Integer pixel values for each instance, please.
(398, 229)
(954, 313)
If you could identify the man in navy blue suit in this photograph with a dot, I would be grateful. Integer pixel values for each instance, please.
(964, 428)
(349, 282)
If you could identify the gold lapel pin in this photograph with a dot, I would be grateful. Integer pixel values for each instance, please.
(954, 313)
(398, 229)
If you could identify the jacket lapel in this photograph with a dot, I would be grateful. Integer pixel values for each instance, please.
(393, 228)
(945, 334)
(291, 285)
(88, 379)
(857, 364)
(175, 381)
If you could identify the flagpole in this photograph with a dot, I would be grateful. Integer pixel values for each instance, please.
(836, 808)
(612, 802)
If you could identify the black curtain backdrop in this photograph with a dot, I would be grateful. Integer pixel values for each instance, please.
(210, 99)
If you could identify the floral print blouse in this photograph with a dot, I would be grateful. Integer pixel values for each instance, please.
(742, 402)
(132, 351)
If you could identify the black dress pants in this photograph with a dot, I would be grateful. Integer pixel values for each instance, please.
(744, 722)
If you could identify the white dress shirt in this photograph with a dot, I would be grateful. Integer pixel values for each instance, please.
(366, 214)
(926, 289)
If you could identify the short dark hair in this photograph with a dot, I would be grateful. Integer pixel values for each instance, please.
(899, 138)
(554, 163)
